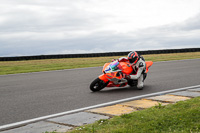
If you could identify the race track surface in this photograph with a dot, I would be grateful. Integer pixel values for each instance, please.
(27, 96)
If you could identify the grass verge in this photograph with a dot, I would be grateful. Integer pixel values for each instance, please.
(181, 117)
(13, 67)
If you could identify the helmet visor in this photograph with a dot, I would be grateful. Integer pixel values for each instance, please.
(133, 60)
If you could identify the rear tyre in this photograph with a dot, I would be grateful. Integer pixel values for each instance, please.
(140, 88)
(144, 76)
(97, 85)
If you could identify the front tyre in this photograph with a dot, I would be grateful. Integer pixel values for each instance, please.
(97, 85)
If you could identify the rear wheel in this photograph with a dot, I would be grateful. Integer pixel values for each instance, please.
(144, 76)
(97, 85)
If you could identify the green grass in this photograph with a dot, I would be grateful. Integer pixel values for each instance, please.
(13, 67)
(182, 117)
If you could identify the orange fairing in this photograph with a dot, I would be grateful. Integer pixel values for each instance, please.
(148, 64)
(126, 67)
(109, 74)
(104, 67)
(103, 77)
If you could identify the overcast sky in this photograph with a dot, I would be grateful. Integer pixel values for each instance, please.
(40, 27)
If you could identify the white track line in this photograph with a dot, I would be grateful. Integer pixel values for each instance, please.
(22, 123)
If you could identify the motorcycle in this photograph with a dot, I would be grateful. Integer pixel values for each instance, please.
(113, 75)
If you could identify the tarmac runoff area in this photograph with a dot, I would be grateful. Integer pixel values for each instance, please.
(70, 121)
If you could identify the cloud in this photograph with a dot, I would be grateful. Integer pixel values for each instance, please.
(176, 35)
(51, 27)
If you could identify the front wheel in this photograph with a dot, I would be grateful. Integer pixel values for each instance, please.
(97, 85)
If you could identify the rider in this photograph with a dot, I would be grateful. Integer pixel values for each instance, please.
(139, 67)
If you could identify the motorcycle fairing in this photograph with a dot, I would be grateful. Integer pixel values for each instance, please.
(148, 64)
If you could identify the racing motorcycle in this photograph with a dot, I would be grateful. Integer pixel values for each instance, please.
(113, 75)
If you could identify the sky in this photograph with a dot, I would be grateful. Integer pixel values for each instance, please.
(45, 27)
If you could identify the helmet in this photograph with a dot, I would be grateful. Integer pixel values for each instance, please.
(133, 57)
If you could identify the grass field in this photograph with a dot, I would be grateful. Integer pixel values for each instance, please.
(13, 67)
(182, 117)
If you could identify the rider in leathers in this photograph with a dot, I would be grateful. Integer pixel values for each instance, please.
(139, 67)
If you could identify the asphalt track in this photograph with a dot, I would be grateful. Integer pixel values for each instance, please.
(27, 96)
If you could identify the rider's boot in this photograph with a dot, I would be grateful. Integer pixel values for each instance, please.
(140, 84)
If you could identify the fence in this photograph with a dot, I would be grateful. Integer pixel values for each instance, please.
(38, 57)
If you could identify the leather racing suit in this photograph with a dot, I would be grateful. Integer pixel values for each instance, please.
(138, 70)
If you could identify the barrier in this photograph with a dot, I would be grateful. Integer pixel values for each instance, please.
(38, 57)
